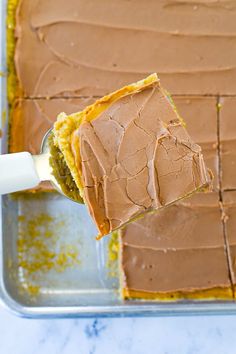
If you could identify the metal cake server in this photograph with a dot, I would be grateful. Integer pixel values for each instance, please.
(20, 171)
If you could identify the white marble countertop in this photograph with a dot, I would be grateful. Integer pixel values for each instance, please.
(168, 335)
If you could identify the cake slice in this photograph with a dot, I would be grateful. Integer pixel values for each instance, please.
(128, 154)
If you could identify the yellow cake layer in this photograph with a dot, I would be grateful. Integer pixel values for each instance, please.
(216, 293)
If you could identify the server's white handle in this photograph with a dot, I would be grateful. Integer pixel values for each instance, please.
(17, 172)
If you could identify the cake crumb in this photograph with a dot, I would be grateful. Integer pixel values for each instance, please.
(219, 106)
(39, 250)
(113, 252)
(4, 118)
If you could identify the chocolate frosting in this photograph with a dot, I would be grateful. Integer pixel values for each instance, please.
(196, 224)
(200, 116)
(136, 157)
(228, 142)
(188, 255)
(170, 271)
(63, 46)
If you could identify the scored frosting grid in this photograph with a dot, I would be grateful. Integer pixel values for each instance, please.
(42, 109)
(226, 211)
(62, 77)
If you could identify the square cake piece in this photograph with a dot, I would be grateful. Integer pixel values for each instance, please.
(227, 115)
(229, 217)
(200, 116)
(176, 253)
(129, 154)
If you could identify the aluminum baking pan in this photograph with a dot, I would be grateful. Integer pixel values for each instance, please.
(85, 288)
